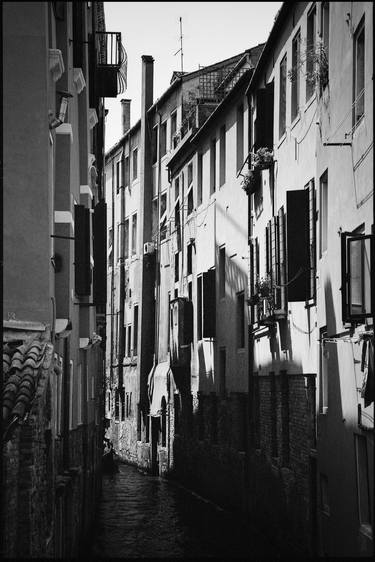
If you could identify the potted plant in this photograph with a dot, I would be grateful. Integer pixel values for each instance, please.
(263, 158)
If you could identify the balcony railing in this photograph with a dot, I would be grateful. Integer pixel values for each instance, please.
(111, 64)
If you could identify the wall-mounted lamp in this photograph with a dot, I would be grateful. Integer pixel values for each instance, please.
(56, 121)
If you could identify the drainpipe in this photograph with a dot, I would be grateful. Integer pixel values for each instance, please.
(112, 278)
(157, 255)
(121, 347)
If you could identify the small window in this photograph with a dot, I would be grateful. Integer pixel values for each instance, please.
(296, 53)
(134, 234)
(189, 259)
(212, 166)
(163, 139)
(173, 129)
(310, 53)
(239, 137)
(222, 272)
(200, 179)
(118, 241)
(359, 73)
(357, 282)
(163, 216)
(222, 155)
(154, 144)
(190, 201)
(325, 29)
(190, 174)
(282, 97)
(118, 176)
(176, 189)
(126, 239)
(176, 267)
(323, 215)
(135, 335)
(129, 339)
(135, 163)
(126, 171)
(240, 320)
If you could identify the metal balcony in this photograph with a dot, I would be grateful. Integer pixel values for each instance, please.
(111, 64)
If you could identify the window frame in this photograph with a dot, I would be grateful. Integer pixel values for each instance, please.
(359, 30)
(296, 83)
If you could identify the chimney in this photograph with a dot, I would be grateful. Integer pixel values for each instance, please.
(147, 83)
(125, 106)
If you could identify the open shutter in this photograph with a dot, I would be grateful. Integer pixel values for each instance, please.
(282, 256)
(264, 121)
(209, 304)
(297, 245)
(100, 254)
(274, 276)
(82, 250)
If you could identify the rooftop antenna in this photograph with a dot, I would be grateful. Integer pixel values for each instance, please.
(180, 49)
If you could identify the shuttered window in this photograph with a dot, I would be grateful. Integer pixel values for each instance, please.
(297, 230)
(82, 265)
(99, 249)
(206, 304)
(310, 187)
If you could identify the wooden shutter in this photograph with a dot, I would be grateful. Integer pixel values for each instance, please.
(100, 254)
(82, 250)
(264, 121)
(282, 258)
(209, 304)
(297, 245)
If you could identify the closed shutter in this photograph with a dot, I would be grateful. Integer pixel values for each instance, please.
(209, 304)
(82, 250)
(100, 254)
(282, 256)
(297, 245)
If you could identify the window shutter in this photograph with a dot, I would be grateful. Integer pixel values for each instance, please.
(281, 223)
(100, 254)
(188, 321)
(274, 279)
(209, 304)
(297, 245)
(82, 250)
(264, 121)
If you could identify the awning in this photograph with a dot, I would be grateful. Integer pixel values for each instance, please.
(160, 384)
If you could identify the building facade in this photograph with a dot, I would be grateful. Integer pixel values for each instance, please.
(54, 267)
(311, 228)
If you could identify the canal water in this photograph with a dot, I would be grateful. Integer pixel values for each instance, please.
(144, 516)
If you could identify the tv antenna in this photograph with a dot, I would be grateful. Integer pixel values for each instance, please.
(180, 50)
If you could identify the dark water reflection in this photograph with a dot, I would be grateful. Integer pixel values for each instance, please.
(142, 516)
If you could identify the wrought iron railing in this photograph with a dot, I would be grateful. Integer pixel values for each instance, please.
(110, 54)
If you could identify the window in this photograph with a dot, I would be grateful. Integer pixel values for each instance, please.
(222, 156)
(176, 189)
(222, 370)
(363, 488)
(176, 266)
(200, 179)
(154, 144)
(310, 53)
(357, 282)
(282, 97)
(240, 320)
(324, 28)
(118, 176)
(163, 217)
(118, 240)
(82, 265)
(126, 239)
(296, 50)
(190, 174)
(163, 139)
(189, 259)
(117, 404)
(239, 135)
(129, 338)
(135, 334)
(126, 171)
(135, 163)
(222, 272)
(110, 246)
(312, 239)
(359, 73)
(177, 224)
(323, 215)
(173, 129)
(323, 372)
(212, 166)
(190, 201)
(134, 234)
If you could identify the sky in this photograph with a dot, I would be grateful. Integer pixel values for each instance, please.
(212, 31)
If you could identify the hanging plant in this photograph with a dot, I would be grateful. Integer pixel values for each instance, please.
(251, 181)
(263, 158)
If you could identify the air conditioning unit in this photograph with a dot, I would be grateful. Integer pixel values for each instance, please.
(148, 248)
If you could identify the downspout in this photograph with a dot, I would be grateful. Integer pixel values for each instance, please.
(112, 279)
(157, 270)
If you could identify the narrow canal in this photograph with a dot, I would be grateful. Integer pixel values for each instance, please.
(143, 516)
